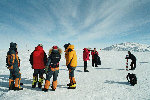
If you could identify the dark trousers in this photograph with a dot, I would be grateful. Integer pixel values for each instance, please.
(133, 65)
(94, 62)
(71, 72)
(52, 73)
(38, 71)
(85, 65)
(14, 73)
(71, 75)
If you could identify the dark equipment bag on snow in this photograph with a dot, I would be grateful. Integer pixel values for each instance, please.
(97, 59)
(132, 79)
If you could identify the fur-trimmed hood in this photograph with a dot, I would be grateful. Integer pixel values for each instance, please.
(59, 50)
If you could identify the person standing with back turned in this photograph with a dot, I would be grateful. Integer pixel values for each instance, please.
(85, 58)
(38, 59)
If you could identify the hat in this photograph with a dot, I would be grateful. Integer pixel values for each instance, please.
(129, 52)
(40, 45)
(66, 45)
(55, 47)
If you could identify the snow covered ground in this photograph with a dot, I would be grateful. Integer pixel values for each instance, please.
(106, 82)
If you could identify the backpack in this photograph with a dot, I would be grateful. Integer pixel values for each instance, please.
(132, 79)
(98, 61)
(8, 59)
(55, 58)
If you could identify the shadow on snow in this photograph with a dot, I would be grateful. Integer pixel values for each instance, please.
(120, 69)
(113, 82)
(103, 68)
(143, 62)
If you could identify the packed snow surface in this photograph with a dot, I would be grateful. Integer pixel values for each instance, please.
(106, 82)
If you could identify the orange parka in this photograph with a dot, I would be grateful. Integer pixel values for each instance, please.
(71, 57)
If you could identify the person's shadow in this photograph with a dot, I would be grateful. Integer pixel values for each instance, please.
(27, 84)
(4, 83)
(113, 82)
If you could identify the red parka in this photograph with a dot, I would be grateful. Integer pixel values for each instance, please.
(93, 53)
(38, 58)
(86, 54)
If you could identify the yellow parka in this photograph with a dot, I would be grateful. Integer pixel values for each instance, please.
(71, 56)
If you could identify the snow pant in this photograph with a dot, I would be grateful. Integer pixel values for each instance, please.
(94, 62)
(71, 75)
(14, 75)
(38, 71)
(85, 65)
(35, 77)
(133, 65)
(51, 72)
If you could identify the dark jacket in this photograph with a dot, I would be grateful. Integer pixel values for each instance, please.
(12, 60)
(132, 57)
(53, 59)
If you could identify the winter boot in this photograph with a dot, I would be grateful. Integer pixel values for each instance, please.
(73, 86)
(11, 84)
(35, 79)
(69, 84)
(47, 84)
(44, 89)
(85, 70)
(18, 88)
(73, 83)
(17, 84)
(40, 82)
(131, 69)
(96, 65)
(54, 85)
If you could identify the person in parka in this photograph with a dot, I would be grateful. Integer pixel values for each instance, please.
(133, 58)
(71, 63)
(94, 54)
(52, 68)
(13, 63)
(38, 59)
(85, 58)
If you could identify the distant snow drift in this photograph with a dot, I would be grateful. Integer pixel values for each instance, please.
(128, 46)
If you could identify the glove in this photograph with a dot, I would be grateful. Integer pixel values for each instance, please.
(69, 50)
(69, 67)
(46, 69)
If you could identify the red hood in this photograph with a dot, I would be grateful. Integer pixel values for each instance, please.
(85, 49)
(38, 48)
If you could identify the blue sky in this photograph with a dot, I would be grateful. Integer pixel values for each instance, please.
(84, 23)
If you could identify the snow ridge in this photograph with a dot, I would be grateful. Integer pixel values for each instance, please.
(129, 46)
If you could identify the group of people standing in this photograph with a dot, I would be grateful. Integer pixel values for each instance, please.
(49, 65)
(86, 55)
(41, 64)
